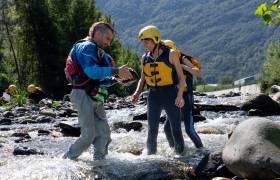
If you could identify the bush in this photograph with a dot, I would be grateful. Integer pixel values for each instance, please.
(19, 98)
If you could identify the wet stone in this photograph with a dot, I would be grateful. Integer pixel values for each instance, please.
(62, 113)
(26, 151)
(21, 109)
(70, 129)
(141, 117)
(45, 119)
(42, 132)
(5, 121)
(22, 140)
(198, 118)
(22, 135)
(8, 114)
(28, 121)
(5, 129)
(256, 112)
(48, 112)
(136, 126)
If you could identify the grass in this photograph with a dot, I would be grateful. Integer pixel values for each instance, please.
(210, 88)
(19, 98)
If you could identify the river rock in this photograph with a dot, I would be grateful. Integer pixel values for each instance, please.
(276, 97)
(5, 121)
(48, 112)
(275, 89)
(210, 130)
(256, 112)
(26, 151)
(136, 126)
(70, 129)
(214, 167)
(140, 117)
(262, 102)
(185, 167)
(216, 108)
(253, 150)
(197, 118)
(45, 119)
(231, 94)
(8, 114)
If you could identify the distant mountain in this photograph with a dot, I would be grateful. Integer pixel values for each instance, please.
(226, 36)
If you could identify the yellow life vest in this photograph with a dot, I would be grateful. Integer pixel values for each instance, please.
(159, 71)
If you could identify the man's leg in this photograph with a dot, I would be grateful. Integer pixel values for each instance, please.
(86, 118)
(102, 129)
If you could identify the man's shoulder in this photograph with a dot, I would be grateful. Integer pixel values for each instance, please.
(86, 44)
(86, 47)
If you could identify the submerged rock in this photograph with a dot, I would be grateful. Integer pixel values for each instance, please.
(178, 168)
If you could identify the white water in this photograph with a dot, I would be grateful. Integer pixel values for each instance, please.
(52, 166)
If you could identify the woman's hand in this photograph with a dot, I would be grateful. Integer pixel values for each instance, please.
(179, 102)
(135, 97)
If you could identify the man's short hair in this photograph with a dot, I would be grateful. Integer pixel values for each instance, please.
(101, 27)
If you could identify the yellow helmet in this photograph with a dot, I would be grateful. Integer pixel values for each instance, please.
(12, 88)
(38, 88)
(170, 44)
(31, 88)
(151, 32)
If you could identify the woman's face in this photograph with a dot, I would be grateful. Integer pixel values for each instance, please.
(148, 44)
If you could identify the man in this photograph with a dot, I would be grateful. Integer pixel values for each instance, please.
(161, 71)
(85, 68)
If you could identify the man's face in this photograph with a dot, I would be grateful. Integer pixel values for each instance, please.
(105, 39)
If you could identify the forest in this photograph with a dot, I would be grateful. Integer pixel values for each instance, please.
(36, 37)
(228, 38)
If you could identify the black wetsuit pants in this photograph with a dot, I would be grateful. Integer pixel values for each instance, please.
(163, 98)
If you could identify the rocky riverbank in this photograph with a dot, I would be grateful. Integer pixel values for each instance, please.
(33, 138)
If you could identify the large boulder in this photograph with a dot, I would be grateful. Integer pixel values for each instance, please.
(263, 103)
(253, 150)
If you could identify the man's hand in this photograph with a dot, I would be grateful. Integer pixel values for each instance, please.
(124, 73)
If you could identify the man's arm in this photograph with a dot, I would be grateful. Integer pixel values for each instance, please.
(89, 62)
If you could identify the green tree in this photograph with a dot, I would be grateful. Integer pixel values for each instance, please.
(42, 34)
(271, 69)
(269, 12)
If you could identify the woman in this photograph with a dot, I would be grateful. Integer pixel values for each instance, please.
(161, 71)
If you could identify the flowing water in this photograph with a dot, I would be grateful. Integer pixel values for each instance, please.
(124, 144)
